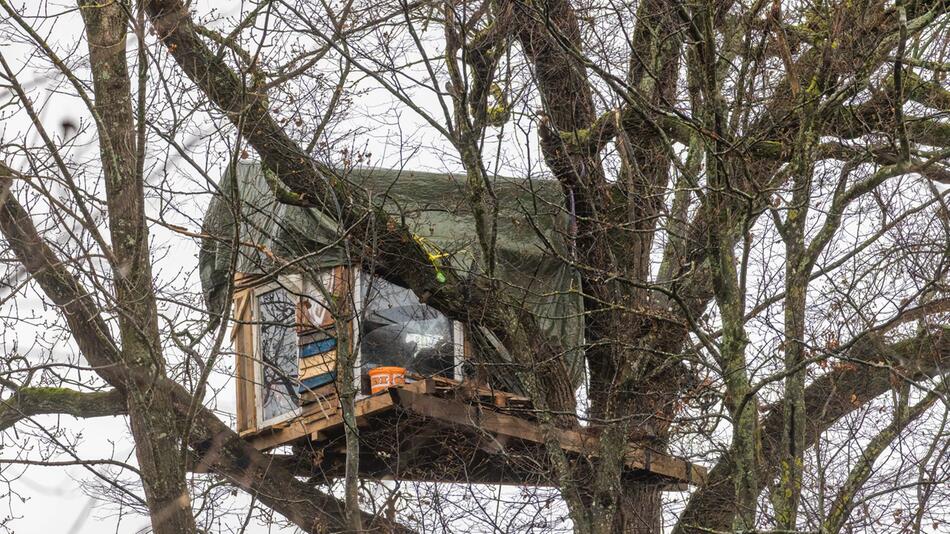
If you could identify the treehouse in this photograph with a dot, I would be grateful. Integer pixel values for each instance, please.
(432, 404)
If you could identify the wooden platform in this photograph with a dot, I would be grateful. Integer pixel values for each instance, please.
(443, 431)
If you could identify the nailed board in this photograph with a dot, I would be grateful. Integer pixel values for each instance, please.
(317, 355)
(242, 336)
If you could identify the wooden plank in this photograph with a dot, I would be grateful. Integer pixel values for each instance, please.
(323, 394)
(240, 303)
(471, 388)
(364, 407)
(455, 413)
(316, 365)
(243, 338)
(501, 401)
(294, 429)
(315, 419)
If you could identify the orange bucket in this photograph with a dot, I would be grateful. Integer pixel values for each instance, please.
(383, 378)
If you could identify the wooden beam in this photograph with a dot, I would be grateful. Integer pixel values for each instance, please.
(417, 398)
(455, 413)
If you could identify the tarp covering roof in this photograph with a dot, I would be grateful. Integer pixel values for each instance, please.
(532, 236)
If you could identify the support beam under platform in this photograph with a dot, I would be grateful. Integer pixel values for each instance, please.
(444, 431)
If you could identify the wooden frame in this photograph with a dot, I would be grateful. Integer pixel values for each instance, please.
(242, 338)
(496, 427)
(245, 335)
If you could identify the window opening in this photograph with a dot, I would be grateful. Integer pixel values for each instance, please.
(396, 329)
(277, 355)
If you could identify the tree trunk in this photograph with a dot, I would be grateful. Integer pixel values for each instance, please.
(157, 430)
(640, 509)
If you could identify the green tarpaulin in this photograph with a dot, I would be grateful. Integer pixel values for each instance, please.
(435, 207)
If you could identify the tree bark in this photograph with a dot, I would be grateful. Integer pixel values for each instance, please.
(631, 383)
(33, 401)
(155, 427)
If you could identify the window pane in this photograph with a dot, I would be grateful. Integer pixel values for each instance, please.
(278, 353)
(399, 330)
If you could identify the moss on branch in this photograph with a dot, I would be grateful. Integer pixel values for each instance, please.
(32, 401)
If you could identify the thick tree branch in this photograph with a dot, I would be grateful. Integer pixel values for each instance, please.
(32, 401)
(394, 252)
(121, 148)
(844, 502)
(88, 328)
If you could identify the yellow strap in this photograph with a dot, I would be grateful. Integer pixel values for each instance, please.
(434, 254)
(432, 251)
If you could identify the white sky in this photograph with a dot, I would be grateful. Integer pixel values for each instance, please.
(54, 501)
